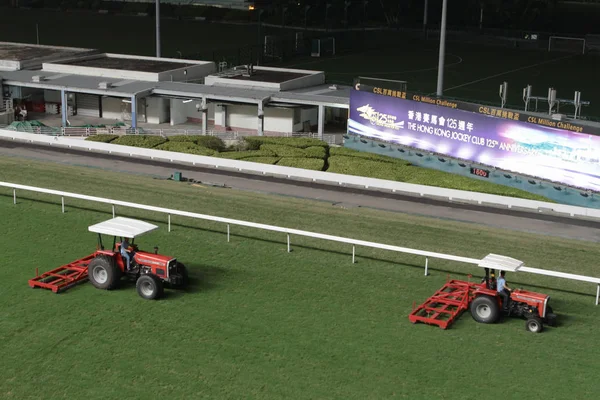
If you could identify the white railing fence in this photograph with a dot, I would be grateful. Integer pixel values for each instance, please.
(288, 232)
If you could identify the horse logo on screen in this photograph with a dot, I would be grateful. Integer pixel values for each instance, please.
(379, 119)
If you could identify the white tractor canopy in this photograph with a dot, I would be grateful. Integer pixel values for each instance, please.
(501, 263)
(123, 227)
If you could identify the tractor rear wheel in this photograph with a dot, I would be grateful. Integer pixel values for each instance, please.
(485, 309)
(104, 273)
(534, 324)
(149, 287)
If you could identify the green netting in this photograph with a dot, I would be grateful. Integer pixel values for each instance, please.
(32, 127)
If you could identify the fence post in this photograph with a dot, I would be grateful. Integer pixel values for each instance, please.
(169, 222)
(14, 196)
(597, 293)
(63, 203)
(113, 209)
(426, 265)
(227, 233)
(353, 253)
(288, 243)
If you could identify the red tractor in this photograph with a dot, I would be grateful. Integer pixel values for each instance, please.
(486, 306)
(105, 268)
(484, 302)
(150, 271)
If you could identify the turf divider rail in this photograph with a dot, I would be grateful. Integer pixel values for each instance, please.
(451, 195)
(289, 232)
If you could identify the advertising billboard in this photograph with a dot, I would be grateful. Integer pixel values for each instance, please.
(509, 144)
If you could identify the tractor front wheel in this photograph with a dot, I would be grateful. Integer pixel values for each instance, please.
(181, 270)
(104, 273)
(149, 287)
(534, 324)
(485, 309)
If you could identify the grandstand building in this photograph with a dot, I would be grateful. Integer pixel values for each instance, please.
(71, 86)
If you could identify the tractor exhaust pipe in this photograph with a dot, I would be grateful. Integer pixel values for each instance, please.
(155, 249)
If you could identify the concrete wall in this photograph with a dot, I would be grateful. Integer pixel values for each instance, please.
(245, 118)
(112, 108)
(182, 113)
(157, 110)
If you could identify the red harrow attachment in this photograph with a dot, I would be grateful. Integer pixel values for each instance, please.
(445, 305)
(63, 277)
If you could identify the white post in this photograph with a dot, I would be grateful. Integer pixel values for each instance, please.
(597, 293)
(14, 196)
(321, 121)
(353, 254)
(227, 233)
(63, 204)
(440, 81)
(113, 208)
(288, 243)
(426, 266)
(169, 222)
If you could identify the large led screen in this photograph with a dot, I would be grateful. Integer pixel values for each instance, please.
(548, 153)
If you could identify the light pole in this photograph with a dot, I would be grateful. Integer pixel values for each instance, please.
(440, 81)
(327, 6)
(157, 28)
(306, 8)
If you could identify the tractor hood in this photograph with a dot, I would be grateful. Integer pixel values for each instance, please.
(152, 259)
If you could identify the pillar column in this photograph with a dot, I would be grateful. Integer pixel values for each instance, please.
(321, 121)
(261, 119)
(133, 112)
(204, 116)
(64, 106)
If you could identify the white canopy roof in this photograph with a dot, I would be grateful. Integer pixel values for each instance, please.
(123, 227)
(501, 263)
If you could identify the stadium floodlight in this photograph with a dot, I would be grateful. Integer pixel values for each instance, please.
(440, 81)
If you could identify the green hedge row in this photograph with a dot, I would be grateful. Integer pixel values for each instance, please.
(241, 155)
(304, 163)
(146, 141)
(104, 138)
(256, 142)
(152, 141)
(344, 151)
(209, 142)
(186, 147)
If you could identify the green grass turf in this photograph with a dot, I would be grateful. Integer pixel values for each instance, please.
(260, 323)
(473, 72)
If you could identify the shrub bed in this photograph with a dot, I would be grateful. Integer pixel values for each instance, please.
(255, 142)
(146, 141)
(207, 141)
(284, 151)
(240, 155)
(305, 163)
(344, 151)
(423, 176)
(104, 138)
(186, 147)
